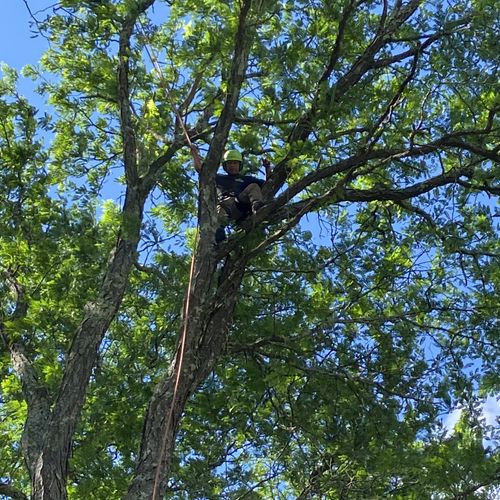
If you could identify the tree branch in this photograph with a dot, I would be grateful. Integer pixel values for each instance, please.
(261, 121)
(334, 57)
(304, 125)
(127, 130)
(364, 63)
(52, 467)
(11, 492)
(281, 209)
(493, 480)
(35, 393)
(377, 129)
(206, 324)
(38, 405)
(126, 125)
(21, 307)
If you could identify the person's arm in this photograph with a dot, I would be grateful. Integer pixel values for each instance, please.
(196, 157)
(267, 166)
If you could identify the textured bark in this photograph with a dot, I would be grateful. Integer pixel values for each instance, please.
(49, 480)
(34, 392)
(211, 304)
(49, 473)
(38, 406)
(206, 336)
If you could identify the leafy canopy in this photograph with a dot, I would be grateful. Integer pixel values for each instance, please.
(373, 311)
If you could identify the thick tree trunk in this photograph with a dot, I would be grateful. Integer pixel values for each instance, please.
(49, 472)
(208, 325)
(211, 305)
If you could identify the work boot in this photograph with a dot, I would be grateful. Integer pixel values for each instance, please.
(220, 235)
(257, 205)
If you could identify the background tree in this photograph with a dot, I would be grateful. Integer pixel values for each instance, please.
(319, 347)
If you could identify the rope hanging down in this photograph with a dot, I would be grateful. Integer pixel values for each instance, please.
(157, 67)
(182, 346)
(177, 371)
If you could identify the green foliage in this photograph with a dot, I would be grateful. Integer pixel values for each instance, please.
(354, 334)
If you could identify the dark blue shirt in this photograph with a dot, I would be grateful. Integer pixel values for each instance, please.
(233, 185)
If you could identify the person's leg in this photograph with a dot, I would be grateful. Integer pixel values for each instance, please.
(252, 196)
(227, 209)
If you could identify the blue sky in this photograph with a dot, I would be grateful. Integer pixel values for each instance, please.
(17, 48)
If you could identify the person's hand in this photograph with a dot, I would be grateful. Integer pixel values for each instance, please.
(267, 166)
(196, 157)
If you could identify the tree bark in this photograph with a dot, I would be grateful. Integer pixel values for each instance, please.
(206, 336)
(50, 469)
(209, 315)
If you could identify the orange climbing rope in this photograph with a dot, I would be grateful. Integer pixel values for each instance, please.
(177, 369)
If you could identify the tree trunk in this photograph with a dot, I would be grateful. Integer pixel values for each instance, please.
(51, 465)
(208, 322)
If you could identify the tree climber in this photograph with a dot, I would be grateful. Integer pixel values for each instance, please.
(237, 195)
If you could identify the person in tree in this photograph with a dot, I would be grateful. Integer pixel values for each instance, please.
(238, 195)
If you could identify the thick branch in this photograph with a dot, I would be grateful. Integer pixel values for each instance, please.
(127, 128)
(19, 294)
(34, 392)
(82, 355)
(364, 63)
(340, 194)
(205, 339)
(38, 405)
(305, 124)
(237, 76)
(446, 142)
(209, 315)
(51, 470)
(10, 492)
(207, 216)
(293, 212)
